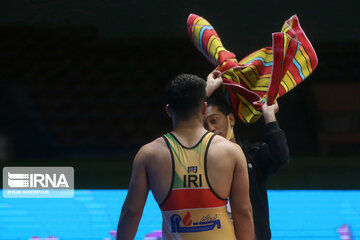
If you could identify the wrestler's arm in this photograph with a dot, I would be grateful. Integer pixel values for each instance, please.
(136, 197)
(241, 208)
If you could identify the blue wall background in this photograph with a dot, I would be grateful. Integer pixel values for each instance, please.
(92, 214)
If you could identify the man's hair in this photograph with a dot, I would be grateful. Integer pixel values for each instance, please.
(220, 103)
(185, 95)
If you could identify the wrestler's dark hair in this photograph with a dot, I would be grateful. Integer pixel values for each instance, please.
(185, 95)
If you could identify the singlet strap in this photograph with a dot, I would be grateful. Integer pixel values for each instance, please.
(173, 170)
(206, 173)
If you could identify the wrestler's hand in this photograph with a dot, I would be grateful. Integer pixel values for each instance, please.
(269, 112)
(213, 81)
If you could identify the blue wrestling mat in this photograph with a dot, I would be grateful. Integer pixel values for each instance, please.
(93, 214)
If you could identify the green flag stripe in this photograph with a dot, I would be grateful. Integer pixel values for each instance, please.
(178, 182)
(177, 156)
(173, 141)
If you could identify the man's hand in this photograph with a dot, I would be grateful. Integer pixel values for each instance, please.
(269, 112)
(213, 81)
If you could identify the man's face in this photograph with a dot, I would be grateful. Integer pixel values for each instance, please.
(216, 121)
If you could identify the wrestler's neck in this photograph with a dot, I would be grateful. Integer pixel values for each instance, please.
(189, 129)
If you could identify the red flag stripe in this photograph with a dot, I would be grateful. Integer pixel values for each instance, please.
(191, 198)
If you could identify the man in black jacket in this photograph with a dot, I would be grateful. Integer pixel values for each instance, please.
(264, 159)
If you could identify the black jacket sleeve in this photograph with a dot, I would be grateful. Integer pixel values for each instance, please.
(274, 153)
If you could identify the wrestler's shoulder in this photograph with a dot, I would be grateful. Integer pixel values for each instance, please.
(221, 144)
(154, 148)
(221, 141)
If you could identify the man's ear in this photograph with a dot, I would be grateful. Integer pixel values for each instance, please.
(168, 110)
(204, 108)
(232, 119)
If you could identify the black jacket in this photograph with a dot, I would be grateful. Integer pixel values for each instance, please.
(264, 159)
